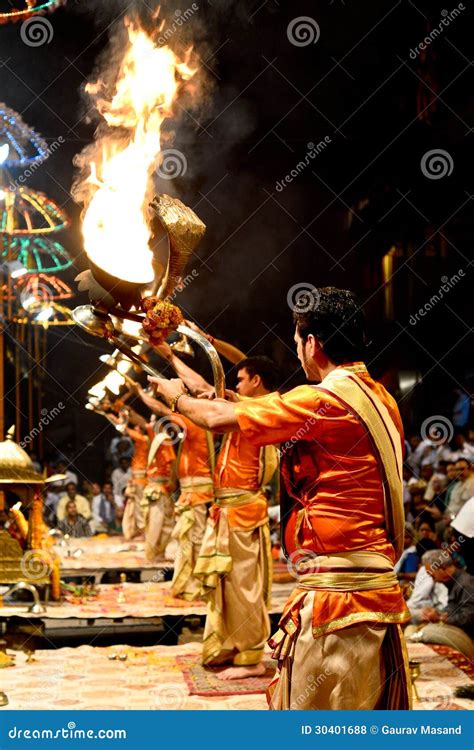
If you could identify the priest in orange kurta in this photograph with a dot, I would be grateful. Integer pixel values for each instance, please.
(234, 563)
(157, 501)
(194, 466)
(339, 645)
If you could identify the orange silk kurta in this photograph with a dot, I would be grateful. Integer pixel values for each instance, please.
(163, 461)
(330, 471)
(140, 455)
(193, 460)
(238, 466)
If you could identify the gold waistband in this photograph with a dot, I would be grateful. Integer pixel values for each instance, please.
(138, 473)
(158, 480)
(200, 483)
(230, 498)
(347, 581)
(336, 561)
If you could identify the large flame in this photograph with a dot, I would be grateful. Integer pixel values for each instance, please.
(115, 225)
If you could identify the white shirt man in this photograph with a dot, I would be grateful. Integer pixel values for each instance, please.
(426, 593)
(104, 508)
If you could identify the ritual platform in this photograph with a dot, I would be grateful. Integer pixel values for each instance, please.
(157, 678)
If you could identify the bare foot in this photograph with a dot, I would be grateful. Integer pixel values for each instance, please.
(241, 673)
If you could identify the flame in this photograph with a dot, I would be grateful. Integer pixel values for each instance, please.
(115, 227)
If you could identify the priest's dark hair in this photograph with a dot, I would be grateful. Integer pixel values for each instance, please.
(263, 366)
(335, 318)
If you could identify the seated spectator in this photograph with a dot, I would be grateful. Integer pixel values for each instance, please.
(463, 528)
(107, 509)
(56, 490)
(426, 528)
(73, 523)
(121, 447)
(408, 563)
(427, 594)
(418, 488)
(90, 489)
(437, 483)
(453, 478)
(462, 448)
(463, 489)
(121, 476)
(82, 504)
(455, 626)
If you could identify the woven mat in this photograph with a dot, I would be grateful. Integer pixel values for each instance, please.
(203, 680)
(459, 660)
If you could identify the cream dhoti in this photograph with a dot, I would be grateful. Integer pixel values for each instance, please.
(234, 566)
(133, 522)
(159, 515)
(357, 661)
(192, 511)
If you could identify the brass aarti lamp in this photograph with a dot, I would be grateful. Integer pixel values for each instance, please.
(116, 300)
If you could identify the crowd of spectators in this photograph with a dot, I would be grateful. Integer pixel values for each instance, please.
(437, 566)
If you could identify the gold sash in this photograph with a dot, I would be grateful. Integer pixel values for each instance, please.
(346, 387)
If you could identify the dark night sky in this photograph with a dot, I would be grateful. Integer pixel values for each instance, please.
(357, 86)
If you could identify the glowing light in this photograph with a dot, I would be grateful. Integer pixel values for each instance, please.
(45, 314)
(44, 287)
(38, 254)
(30, 212)
(16, 269)
(24, 146)
(4, 149)
(97, 390)
(29, 302)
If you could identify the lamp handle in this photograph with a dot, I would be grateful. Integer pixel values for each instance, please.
(215, 360)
